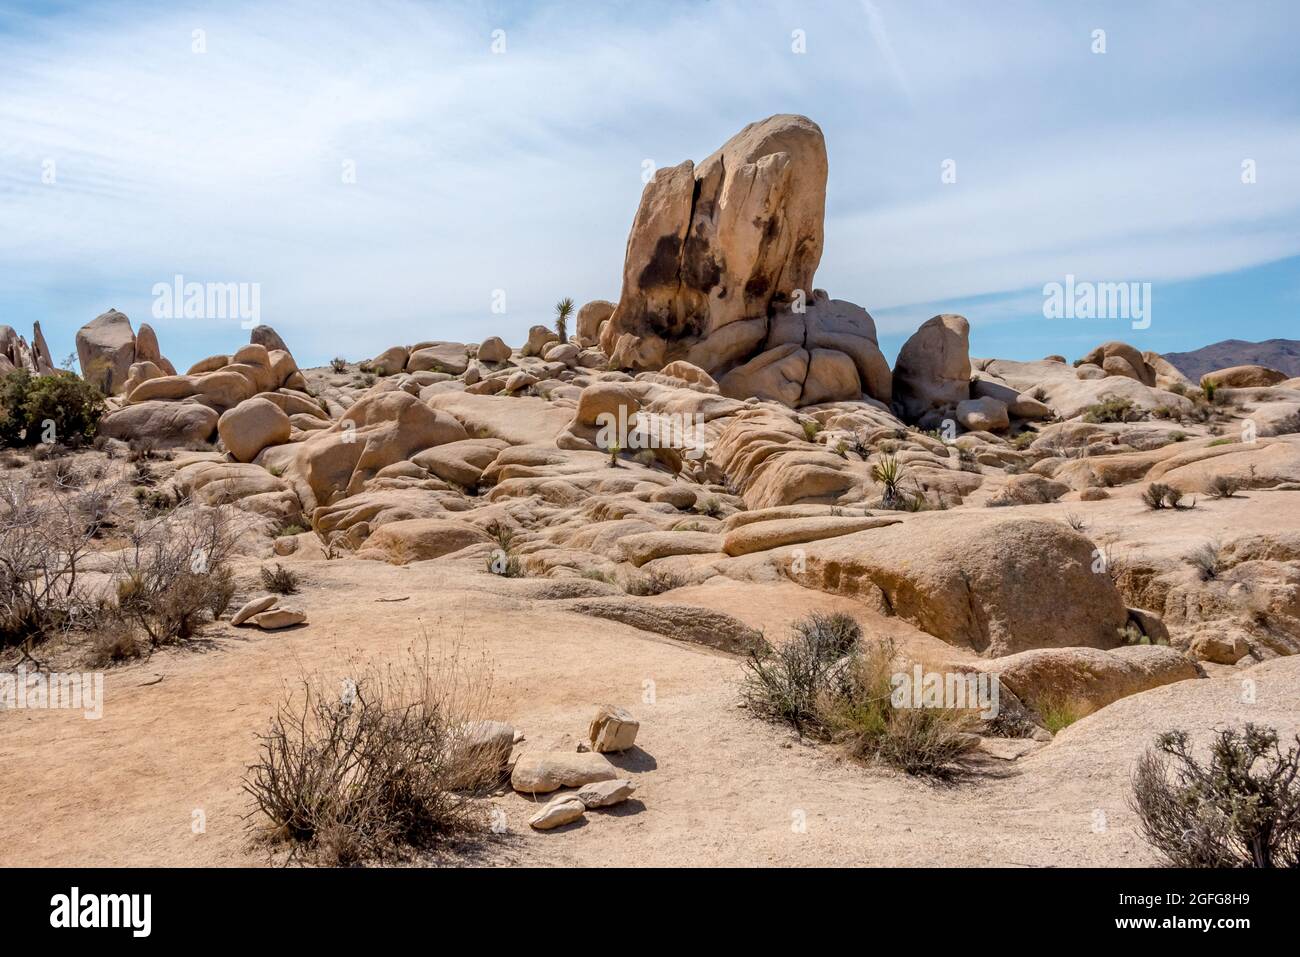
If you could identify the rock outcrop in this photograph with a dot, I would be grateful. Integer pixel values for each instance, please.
(719, 273)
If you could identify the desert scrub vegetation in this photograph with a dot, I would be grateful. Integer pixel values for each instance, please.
(339, 364)
(1223, 486)
(654, 582)
(279, 580)
(1207, 560)
(173, 576)
(1158, 495)
(48, 408)
(45, 538)
(379, 766)
(1060, 711)
(709, 506)
(1239, 809)
(888, 473)
(828, 684)
(503, 560)
(1113, 408)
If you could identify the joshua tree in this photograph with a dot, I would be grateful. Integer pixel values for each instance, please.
(563, 310)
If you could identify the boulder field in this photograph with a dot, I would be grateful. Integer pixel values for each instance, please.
(725, 418)
(714, 454)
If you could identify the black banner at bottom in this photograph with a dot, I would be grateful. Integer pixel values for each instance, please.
(333, 906)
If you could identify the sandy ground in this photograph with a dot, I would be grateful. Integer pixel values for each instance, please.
(715, 787)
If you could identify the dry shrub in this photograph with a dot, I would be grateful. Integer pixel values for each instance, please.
(44, 540)
(112, 641)
(280, 580)
(1158, 495)
(827, 683)
(785, 683)
(1240, 810)
(864, 719)
(375, 768)
(1224, 486)
(175, 572)
(654, 582)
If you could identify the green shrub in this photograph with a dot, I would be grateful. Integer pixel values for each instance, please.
(1113, 408)
(27, 403)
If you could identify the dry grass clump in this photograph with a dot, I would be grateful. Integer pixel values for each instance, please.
(826, 683)
(503, 560)
(1207, 560)
(1242, 809)
(1060, 711)
(377, 767)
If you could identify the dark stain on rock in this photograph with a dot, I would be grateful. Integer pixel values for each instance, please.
(662, 268)
(700, 270)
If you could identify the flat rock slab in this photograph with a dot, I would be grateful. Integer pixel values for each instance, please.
(606, 793)
(278, 618)
(761, 536)
(540, 772)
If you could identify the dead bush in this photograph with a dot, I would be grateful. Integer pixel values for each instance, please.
(175, 572)
(112, 641)
(787, 682)
(375, 768)
(44, 539)
(1242, 809)
(280, 580)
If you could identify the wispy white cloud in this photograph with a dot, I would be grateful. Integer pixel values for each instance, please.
(521, 171)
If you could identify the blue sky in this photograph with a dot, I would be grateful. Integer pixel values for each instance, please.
(521, 170)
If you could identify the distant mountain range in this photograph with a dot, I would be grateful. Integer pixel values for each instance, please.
(1280, 354)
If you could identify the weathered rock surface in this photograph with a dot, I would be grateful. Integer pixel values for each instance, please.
(540, 772)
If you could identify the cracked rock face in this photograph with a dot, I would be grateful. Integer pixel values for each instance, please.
(719, 273)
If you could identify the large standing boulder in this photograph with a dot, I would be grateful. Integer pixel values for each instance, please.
(267, 337)
(41, 352)
(106, 350)
(591, 317)
(251, 426)
(933, 370)
(1121, 359)
(714, 248)
(147, 349)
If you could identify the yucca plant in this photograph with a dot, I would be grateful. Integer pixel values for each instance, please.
(563, 310)
(889, 473)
